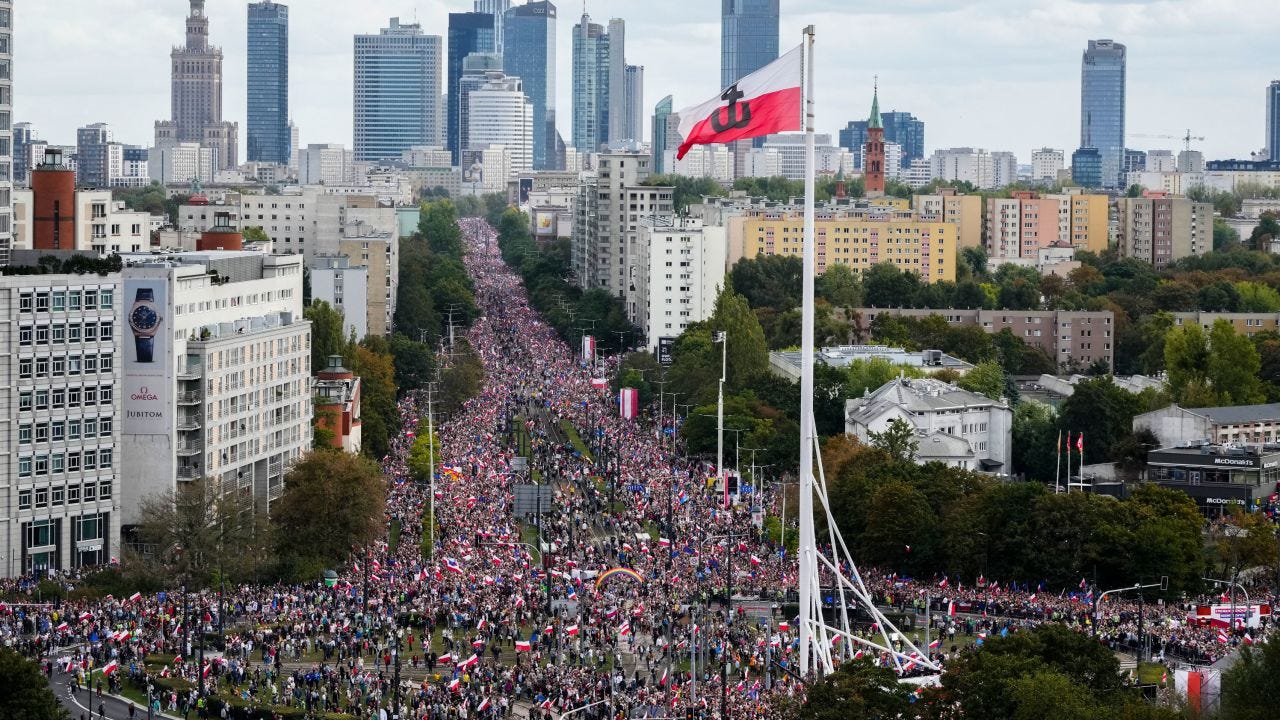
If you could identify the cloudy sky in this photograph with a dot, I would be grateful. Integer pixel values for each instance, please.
(999, 74)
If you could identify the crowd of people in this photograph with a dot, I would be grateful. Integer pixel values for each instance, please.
(509, 611)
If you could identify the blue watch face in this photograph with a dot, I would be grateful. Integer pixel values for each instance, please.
(143, 318)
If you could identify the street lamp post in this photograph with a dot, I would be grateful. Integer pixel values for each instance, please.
(723, 338)
(728, 617)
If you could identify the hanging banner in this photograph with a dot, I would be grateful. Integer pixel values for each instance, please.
(629, 403)
(1222, 615)
(588, 349)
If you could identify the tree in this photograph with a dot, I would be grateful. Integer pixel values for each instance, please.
(328, 334)
(201, 531)
(1103, 411)
(1257, 297)
(840, 286)
(1035, 434)
(1186, 356)
(255, 234)
(438, 225)
(975, 259)
(27, 694)
(886, 286)
(985, 379)
(858, 690)
(898, 439)
(1233, 365)
(1267, 231)
(770, 281)
(332, 502)
(1250, 687)
(373, 363)
(413, 361)
(747, 354)
(461, 380)
(1225, 238)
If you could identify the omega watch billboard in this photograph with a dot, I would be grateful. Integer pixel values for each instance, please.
(148, 362)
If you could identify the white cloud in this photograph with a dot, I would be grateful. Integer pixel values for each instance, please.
(987, 73)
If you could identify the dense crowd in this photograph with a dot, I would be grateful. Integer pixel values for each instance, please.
(495, 616)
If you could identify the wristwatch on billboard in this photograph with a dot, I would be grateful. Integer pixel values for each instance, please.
(145, 322)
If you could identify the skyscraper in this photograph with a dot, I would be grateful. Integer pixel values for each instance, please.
(899, 127)
(666, 126)
(591, 76)
(94, 156)
(196, 95)
(1102, 89)
(476, 71)
(24, 136)
(496, 8)
(633, 105)
(1273, 120)
(499, 113)
(529, 53)
(397, 91)
(268, 83)
(748, 37)
(468, 33)
(617, 90)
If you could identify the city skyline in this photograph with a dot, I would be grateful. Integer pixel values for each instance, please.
(1006, 85)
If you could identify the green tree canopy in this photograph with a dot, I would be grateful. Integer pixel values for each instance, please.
(332, 502)
(27, 694)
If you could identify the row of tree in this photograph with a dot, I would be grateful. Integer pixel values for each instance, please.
(548, 276)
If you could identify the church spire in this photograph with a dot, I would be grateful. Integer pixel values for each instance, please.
(875, 121)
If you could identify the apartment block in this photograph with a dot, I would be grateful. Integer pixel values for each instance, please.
(1075, 338)
(61, 474)
(858, 237)
(217, 374)
(1245, 323)
(963, 211)
(1020, 226)
(612, 203)
(1161, 229)
(682, 272)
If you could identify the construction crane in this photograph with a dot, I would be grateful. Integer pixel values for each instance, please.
(1186, 139)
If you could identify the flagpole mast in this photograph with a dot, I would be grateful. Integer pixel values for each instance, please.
(1057, 466)
(808, 563)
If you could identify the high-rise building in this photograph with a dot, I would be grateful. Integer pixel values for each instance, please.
(1161, 229)
(899, 127)
(63, 396)
(633, 102)
(216, 373)
(268, 83)
(666, 130)
(1102, 106)
(873, 168)
(24, 136)
(468, 33)
(616, 93)
(611, 204)
(748, 37)
(196, 95)
(591, 78)
(6, 135)
(1004, 168)
(94, 156)
(496, 8)
(971, 165)
(1046, 163)
(397, 91)
(1273, 120)
(476, 71)
(529, 53)
(498, 113)
(1086, 167)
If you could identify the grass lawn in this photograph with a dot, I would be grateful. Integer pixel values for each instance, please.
(1149, 673)
(529, 534)
(575, 439)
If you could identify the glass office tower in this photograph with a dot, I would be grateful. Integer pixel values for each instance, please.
(748, 37)
(529, 53)
(1102, 87)
(468, 33)
(268, 83)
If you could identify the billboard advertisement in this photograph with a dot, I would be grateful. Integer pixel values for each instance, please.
(1223, 614)
(544, 224)
(147, 357)
(665, 346)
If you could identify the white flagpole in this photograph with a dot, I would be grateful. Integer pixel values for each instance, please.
(808, 563)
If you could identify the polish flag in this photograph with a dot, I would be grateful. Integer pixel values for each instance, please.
(1247, 639)
(454, 684)
(572, 630)
(624, 628)
(134, 597)
(208, 667)
(443, 659)
(519, 602)
(482, 624)
(1222, 637)
(477, 644)
(784, 626)
(523, 646)
(473, 660)
(62, 626)
(766, 101)
(942, 585)
(549, 631)
(664, 542)
(452, 565)
(164, 672)
(546, 704)
(755, 560)
(110, 667)
(85, 617)
(483, 706)
(934, 645)
(951, 609)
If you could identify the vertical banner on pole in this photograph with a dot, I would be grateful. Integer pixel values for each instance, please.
(628, 403)
(588, 348)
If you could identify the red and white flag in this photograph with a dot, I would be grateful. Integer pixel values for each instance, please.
(765, 102)
(571, 630)
(110, 667)
(523, 646)
(134, 597)
(444, 659)
(624, 628)
(473, 660)
(483, 706)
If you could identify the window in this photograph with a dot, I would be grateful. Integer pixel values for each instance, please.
(73, 494)
(24, 335)
(56, 463)
(90, 299)
(42, 399)
(42, 497)
(24, 400)
(73, 300)
(105, 299)
(42, 432)
(24, 367)
(59, 301)
(57, 496)
(24, 500)
(24, 434)
(41, 465)
(90, 364)
(58, 430)
(90, 461)
(105, 394)
(104, 490)
(24, 302)
(73, 397)
(104, 427)
(42, 302)
(90, 427)
(24, 467)
(104, 459)
(73, 462)
(106, 362)
(90, 396)
(59, 334)
(90, 489)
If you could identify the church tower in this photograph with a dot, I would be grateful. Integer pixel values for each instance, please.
(873, 161)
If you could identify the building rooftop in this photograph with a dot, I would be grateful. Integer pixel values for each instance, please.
(1269, 412)
(787, 362)
(916, 396)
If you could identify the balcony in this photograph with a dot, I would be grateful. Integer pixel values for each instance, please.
(188, 449)
(191, 371)
(187, 472)
(190, 398)
(190, 421)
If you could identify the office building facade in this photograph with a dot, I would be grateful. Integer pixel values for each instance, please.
(468, 33)
(748, 37)
(397, 91)
(497, 9)
(498, 113)
(268, 130)
(6, 135)
(666, 133)
(591, 92)
(899, 127)
(529, 53)
(61, 477)
(1102, 106)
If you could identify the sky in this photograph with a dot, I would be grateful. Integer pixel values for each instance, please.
(997, 74)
